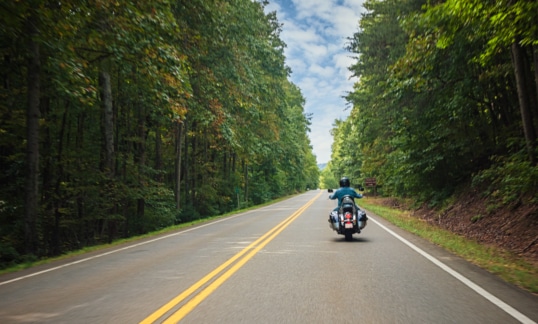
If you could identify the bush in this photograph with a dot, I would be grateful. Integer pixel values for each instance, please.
(509, 179)
(188, 213)
(8, 255)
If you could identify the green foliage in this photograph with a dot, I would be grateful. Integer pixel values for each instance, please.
(8, 255)
(436, 97)
(188, 214)
(202, 110)
(509, 179)
(328, 179)
(160, 210)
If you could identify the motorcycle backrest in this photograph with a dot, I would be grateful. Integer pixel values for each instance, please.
(348, 204)
(348, 200)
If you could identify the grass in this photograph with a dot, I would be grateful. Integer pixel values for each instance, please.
(502, 263)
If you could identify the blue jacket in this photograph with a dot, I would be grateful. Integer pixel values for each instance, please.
(344, 191)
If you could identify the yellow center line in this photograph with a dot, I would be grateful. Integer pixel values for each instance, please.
(254, 248)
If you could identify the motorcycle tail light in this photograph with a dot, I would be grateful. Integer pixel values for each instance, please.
(348, 215)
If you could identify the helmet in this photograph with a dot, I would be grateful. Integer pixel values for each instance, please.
(344, 182)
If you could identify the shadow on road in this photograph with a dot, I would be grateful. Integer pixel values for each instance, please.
(357, 239)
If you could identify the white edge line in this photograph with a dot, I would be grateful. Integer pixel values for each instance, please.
(481, 291)
(118, 250)
(123, 249)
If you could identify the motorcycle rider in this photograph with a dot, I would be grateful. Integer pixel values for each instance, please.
(345, 190)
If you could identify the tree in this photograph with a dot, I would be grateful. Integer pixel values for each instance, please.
(504, 25)
(32, 122)
(443, 88)
(142, 114)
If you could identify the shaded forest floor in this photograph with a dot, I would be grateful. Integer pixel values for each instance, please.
(513, 228)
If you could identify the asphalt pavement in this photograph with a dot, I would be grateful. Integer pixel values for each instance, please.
(277, 264)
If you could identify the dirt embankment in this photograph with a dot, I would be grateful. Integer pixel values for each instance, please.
(513, 228)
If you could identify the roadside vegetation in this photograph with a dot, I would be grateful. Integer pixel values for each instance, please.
(447, 94)
(119, 118)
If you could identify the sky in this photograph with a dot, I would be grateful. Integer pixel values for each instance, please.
(316, 33)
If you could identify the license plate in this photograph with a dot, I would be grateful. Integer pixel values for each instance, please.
(348, 225)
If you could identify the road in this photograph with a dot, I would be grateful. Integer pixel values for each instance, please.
(276, 264)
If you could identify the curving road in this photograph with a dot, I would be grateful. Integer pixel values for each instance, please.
(277, 264)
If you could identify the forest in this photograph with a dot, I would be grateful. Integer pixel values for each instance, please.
(447, 99)
(118, 118)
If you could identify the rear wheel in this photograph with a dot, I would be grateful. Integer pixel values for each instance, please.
(349, 236)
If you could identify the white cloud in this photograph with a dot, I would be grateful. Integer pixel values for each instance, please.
(342, 62)
(300, 35)
(313, 8)
(322, 71)
(316, 33)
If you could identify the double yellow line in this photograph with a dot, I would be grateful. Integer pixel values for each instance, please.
(242, 257)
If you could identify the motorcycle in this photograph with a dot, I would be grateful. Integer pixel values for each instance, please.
(348, 219)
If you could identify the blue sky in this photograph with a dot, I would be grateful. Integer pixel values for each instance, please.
(316, 33)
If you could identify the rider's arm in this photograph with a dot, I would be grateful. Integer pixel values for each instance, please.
(334, 195)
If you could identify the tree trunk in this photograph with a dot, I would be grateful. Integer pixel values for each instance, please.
(158, 153)
(141, 160)
(32, 152)
(233, 162)
(245, 171)
(88, 229)
(56, 248)
(108, 130)
(179, 139)
(535, 63)
(106, 100)
(524, 100)
(194, 170)
(186, 165)
(528, 60)
(49, 197)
